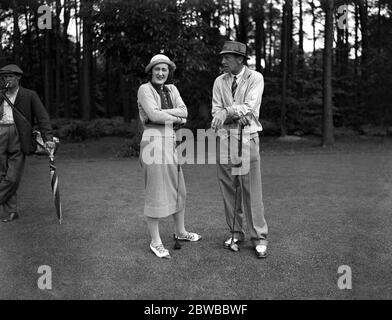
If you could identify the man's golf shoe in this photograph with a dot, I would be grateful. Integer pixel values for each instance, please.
(227, 244)
(261, 251)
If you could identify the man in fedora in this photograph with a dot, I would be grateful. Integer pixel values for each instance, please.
(16, 137)
(236, 106)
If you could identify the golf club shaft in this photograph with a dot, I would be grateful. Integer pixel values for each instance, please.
(240, 142)
(177, 244)
(236, 185)
(234, 212)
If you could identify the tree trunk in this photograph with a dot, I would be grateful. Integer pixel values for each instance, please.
(93, 80)
(67, 106)
(284, 66)
(234, 19)
(259, 33)
(243, 22)
(379, 33)
(16, 35)
(346, 50)
(78, 55)
(328, 135)
(56, 111)
(356, 43)
(263, 33)
(363, 16)
(87, 59)
(270, 20)
(39, 47)
(356, 64)
(342, 45)
(48, 73)
(290, 42)
(301, 38)
(29, 56)
(339, 51)
(313, 8)
(109, 86)
(227, 19)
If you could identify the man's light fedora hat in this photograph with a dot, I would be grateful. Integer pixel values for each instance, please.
(11, 69)
(234, 47)
(160, 58)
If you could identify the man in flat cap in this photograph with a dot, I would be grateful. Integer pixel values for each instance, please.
(16, 137)
(235, 106)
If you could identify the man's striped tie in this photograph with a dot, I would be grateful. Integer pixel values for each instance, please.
(234, 86)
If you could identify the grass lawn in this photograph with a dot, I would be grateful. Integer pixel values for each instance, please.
(324, 207)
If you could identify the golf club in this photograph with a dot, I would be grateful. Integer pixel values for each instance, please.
(177, 245)
(233, 246)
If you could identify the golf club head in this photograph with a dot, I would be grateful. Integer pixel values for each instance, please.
(177, 245)
(234, 247)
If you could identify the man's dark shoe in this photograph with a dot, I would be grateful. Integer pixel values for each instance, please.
(261, 251)
(11, 217)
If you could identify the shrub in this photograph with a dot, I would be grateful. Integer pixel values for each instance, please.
(72, 130)
(130, 148)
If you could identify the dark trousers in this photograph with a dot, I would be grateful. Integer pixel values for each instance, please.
(12, 162)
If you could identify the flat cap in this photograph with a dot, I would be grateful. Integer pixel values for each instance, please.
(11, 68)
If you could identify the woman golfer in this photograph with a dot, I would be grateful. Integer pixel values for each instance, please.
(160, 108)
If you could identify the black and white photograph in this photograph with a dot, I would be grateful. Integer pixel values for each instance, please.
(195, 156)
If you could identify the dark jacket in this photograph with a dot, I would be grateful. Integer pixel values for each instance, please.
(30, 105)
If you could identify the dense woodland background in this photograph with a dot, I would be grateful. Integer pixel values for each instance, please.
(90, 64)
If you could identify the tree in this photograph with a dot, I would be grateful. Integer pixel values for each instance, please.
(314, 20)
(270, 29)
(341, 43)
(58, 49)
(356, 42)
(379, 27)
(78, 55)
(284, 62)
(86, 12)
(243, 22)
(66, 84)
(301, 57)
(48, 75)
(16, 35)
(120, 36)
(39, 45)
(259, 32)
(363, 16)
(328, 135)
(290, 38)
(237, 31)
